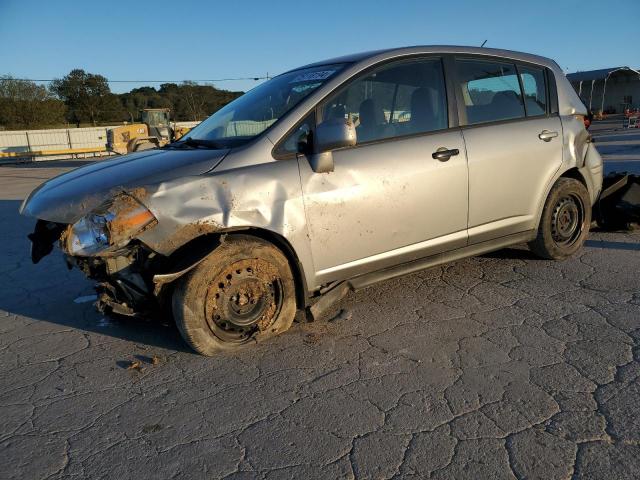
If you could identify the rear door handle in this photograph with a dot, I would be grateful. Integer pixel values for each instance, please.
(547, 135)
(444, 154)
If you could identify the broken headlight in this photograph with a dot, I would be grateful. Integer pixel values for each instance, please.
(112, 225)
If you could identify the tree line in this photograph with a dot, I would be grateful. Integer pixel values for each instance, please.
(83, 98)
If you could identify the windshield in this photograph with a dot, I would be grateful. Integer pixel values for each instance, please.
(255, 111)
(155, 119)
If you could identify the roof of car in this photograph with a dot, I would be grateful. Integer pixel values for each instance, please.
(358, 57)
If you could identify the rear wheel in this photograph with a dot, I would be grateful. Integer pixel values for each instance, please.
(242, 292)
(565, 221)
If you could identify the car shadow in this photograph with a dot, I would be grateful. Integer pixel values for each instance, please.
(49, 292)
(612, 245)
(512, 254)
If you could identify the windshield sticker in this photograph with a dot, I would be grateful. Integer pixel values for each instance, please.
(305, 86)
(305, 77)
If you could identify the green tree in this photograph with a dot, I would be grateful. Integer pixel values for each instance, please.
(195, 99)
(24, 104)
(87, 96)
(140, 98)
(187, 101)
(196, 102)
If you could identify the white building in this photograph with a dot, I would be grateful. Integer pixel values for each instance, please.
(610, 90)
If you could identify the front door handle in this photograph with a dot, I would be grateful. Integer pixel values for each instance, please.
(547, 135)
(444, 154)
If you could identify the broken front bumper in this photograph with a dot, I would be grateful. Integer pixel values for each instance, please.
(133, 280)
(124, 281)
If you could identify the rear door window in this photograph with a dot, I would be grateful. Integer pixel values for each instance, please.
(490, 90)
(535, 91)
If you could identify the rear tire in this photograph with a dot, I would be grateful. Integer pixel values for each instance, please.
(565, 221)
(242, 292)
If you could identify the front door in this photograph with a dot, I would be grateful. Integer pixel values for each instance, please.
(388, 200)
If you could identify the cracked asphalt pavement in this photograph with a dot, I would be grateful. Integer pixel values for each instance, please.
(499, 366)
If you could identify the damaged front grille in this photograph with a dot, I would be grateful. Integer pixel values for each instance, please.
(133, 280)
(124, 282)
(122, 285)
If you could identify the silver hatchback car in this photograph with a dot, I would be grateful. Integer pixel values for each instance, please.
(325, 179)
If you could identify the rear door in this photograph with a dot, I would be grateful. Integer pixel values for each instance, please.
(388, 199)
(513, 141)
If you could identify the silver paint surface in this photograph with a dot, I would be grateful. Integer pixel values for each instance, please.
(384, 204)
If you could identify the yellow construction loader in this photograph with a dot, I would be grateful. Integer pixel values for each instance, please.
(155, 130)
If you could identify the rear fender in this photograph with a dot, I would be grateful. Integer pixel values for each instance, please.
(592, 171)
(579, 155)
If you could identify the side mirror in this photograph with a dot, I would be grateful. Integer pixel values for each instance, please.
(335, 133)
(331, 134)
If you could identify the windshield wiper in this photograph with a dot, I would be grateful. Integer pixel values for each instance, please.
(199, 143)
(195, 143)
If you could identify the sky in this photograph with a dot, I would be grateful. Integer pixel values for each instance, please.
(189, 40)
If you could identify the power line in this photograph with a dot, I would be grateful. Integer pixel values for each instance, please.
(158, 81)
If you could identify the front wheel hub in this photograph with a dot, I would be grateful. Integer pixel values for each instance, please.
(567, 220)
(244, 298)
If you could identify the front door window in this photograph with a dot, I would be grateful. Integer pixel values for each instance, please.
(398, 99)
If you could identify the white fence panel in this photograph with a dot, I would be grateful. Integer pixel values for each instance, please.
(16, 141)
(187, 124)
(88, 137)
(48, 139)
(60, 139)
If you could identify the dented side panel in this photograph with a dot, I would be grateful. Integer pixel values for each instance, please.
(575, 140)
(577, 152)
(593, 171)
(580, 153)
(386, 203)
(266, 196)
(69, 196)
(509, 169)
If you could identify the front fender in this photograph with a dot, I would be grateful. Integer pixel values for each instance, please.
(265, 197)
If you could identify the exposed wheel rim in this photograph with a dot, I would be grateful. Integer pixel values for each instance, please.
(567, 220)
(246, 297)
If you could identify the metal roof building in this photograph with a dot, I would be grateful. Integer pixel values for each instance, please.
(609, 90)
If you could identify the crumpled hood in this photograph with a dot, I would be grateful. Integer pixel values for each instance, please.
(69, 196)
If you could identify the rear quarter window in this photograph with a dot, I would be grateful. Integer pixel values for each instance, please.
(535, 90)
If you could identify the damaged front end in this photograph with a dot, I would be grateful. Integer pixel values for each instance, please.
(102, 245)
(97, 213)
